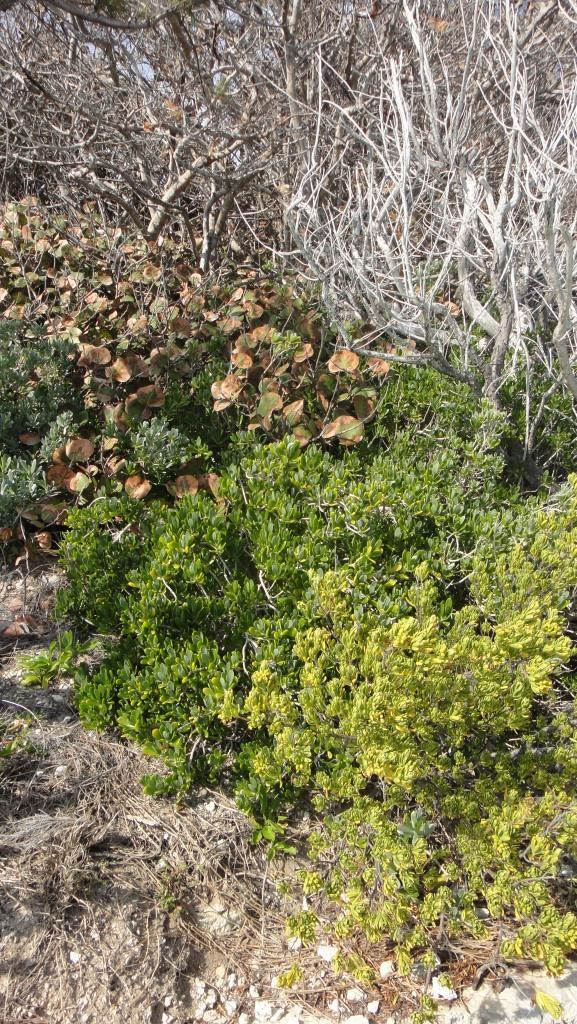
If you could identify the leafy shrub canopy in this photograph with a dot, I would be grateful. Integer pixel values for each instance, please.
(381, 632)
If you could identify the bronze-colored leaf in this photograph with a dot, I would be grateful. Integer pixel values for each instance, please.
(79, 449)
(380, 367)
(230, 387)
(125, 368)
(150, 272)
(151, 395)
(302, 434)
(137, 487)
(181, 327)
(242, 360)
(230, 324)
(78, 483)
(94, 355)
(303, 353)
(294, 411)
(344, 361)
(29, 439)
(184, 484)
(347, 429)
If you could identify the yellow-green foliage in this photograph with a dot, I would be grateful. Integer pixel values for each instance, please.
(382, 633)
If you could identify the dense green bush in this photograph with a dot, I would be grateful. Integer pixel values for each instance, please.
(380, 631)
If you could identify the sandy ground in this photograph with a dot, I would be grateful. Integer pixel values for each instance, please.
(119, 909)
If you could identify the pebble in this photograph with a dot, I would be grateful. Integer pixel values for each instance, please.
(294, 943)
(61, 771)
(263, 1010)
(357, 1018)
(254, 992)
(230, 1006)
(327, 953)
(373, 1006)
(440, 991)
(386, 969)
(334, 1006)
(231, 982)
(355, 995)
(211, 999)
(74, 957)
(244, 1018)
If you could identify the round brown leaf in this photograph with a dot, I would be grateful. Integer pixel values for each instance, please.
(78, 483)
(302, 354)
(94, 355)
(344, 361)
(380, 367)
(79, 449)
(151, 395)
(294, 411)
(126, 367)
(230, 387)
(137, 487)
(184, 484)
(29, 439)
(347, 429)
(242, 360)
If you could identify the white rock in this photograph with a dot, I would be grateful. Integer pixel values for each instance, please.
(386, 969)
(200, 986)
(220, 974)
(440, 991)
(294, 942)
(373, 1007)
(254, 992)
(211, 999)
(327, 953)
(167, 1001)
(230, 1006)
(231, 982)
(355, 995)
(334, 1006)
(357, 1018)
(277, 1015)
(210, 806)
(74, 957)
(61, 771)
(244, 1018)
(167, 1018)
(263, 1010)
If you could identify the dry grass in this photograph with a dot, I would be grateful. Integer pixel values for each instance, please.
(92, 865)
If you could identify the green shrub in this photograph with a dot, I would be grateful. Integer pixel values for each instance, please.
(380, 632)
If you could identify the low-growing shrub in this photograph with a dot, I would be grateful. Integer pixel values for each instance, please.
(380, 631)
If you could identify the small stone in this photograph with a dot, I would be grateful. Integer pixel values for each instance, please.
(263, 1010)
(334, 1006)
(167, 1018)
(231, 982)
(243, 1018)
(386, 969)
(200, 986)
(167, 1001)
(327, 953)
(278, 1015)
(254, 992)
(357, 1018)
(230, 1006)
(61, 771)
(211, 999)
(220, 974)
(74, 957)
(294, 943)
(373, 1006)
(210, 806)
(355, 995)
(440, 991)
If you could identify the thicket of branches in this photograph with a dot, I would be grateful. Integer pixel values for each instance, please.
(418, 160)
